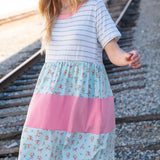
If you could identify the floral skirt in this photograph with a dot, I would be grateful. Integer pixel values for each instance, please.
(71, 114)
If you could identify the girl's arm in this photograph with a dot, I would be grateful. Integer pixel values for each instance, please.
(121, 58)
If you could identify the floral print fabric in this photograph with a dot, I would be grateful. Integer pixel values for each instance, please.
(74, 78)
(82, 79)
(59, 145)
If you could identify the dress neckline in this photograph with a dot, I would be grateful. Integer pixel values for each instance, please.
(64, 16)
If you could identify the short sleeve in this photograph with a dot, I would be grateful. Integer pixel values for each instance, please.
(105, 26)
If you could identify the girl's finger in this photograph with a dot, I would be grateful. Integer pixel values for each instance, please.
(135, 61)
(136, 66)
(128, 56)
(135, 54)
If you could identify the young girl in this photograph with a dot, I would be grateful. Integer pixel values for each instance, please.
(71, 113)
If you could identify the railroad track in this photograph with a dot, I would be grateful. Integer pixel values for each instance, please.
(17, 88)
(18, 17)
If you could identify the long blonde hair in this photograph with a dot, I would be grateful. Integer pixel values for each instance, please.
(50, 10)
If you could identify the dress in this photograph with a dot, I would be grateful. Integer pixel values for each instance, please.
(71, 113)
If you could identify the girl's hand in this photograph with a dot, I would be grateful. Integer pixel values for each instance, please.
(134, 59)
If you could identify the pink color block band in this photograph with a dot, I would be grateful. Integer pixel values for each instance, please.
(71, 114)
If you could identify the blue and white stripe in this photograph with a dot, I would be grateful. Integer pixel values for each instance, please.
(83, 36)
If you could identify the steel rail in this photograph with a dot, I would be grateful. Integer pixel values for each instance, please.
(123, 12)
(10, 75)
(16, 17)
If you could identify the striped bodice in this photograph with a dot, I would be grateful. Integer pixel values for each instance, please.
(83, 35)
